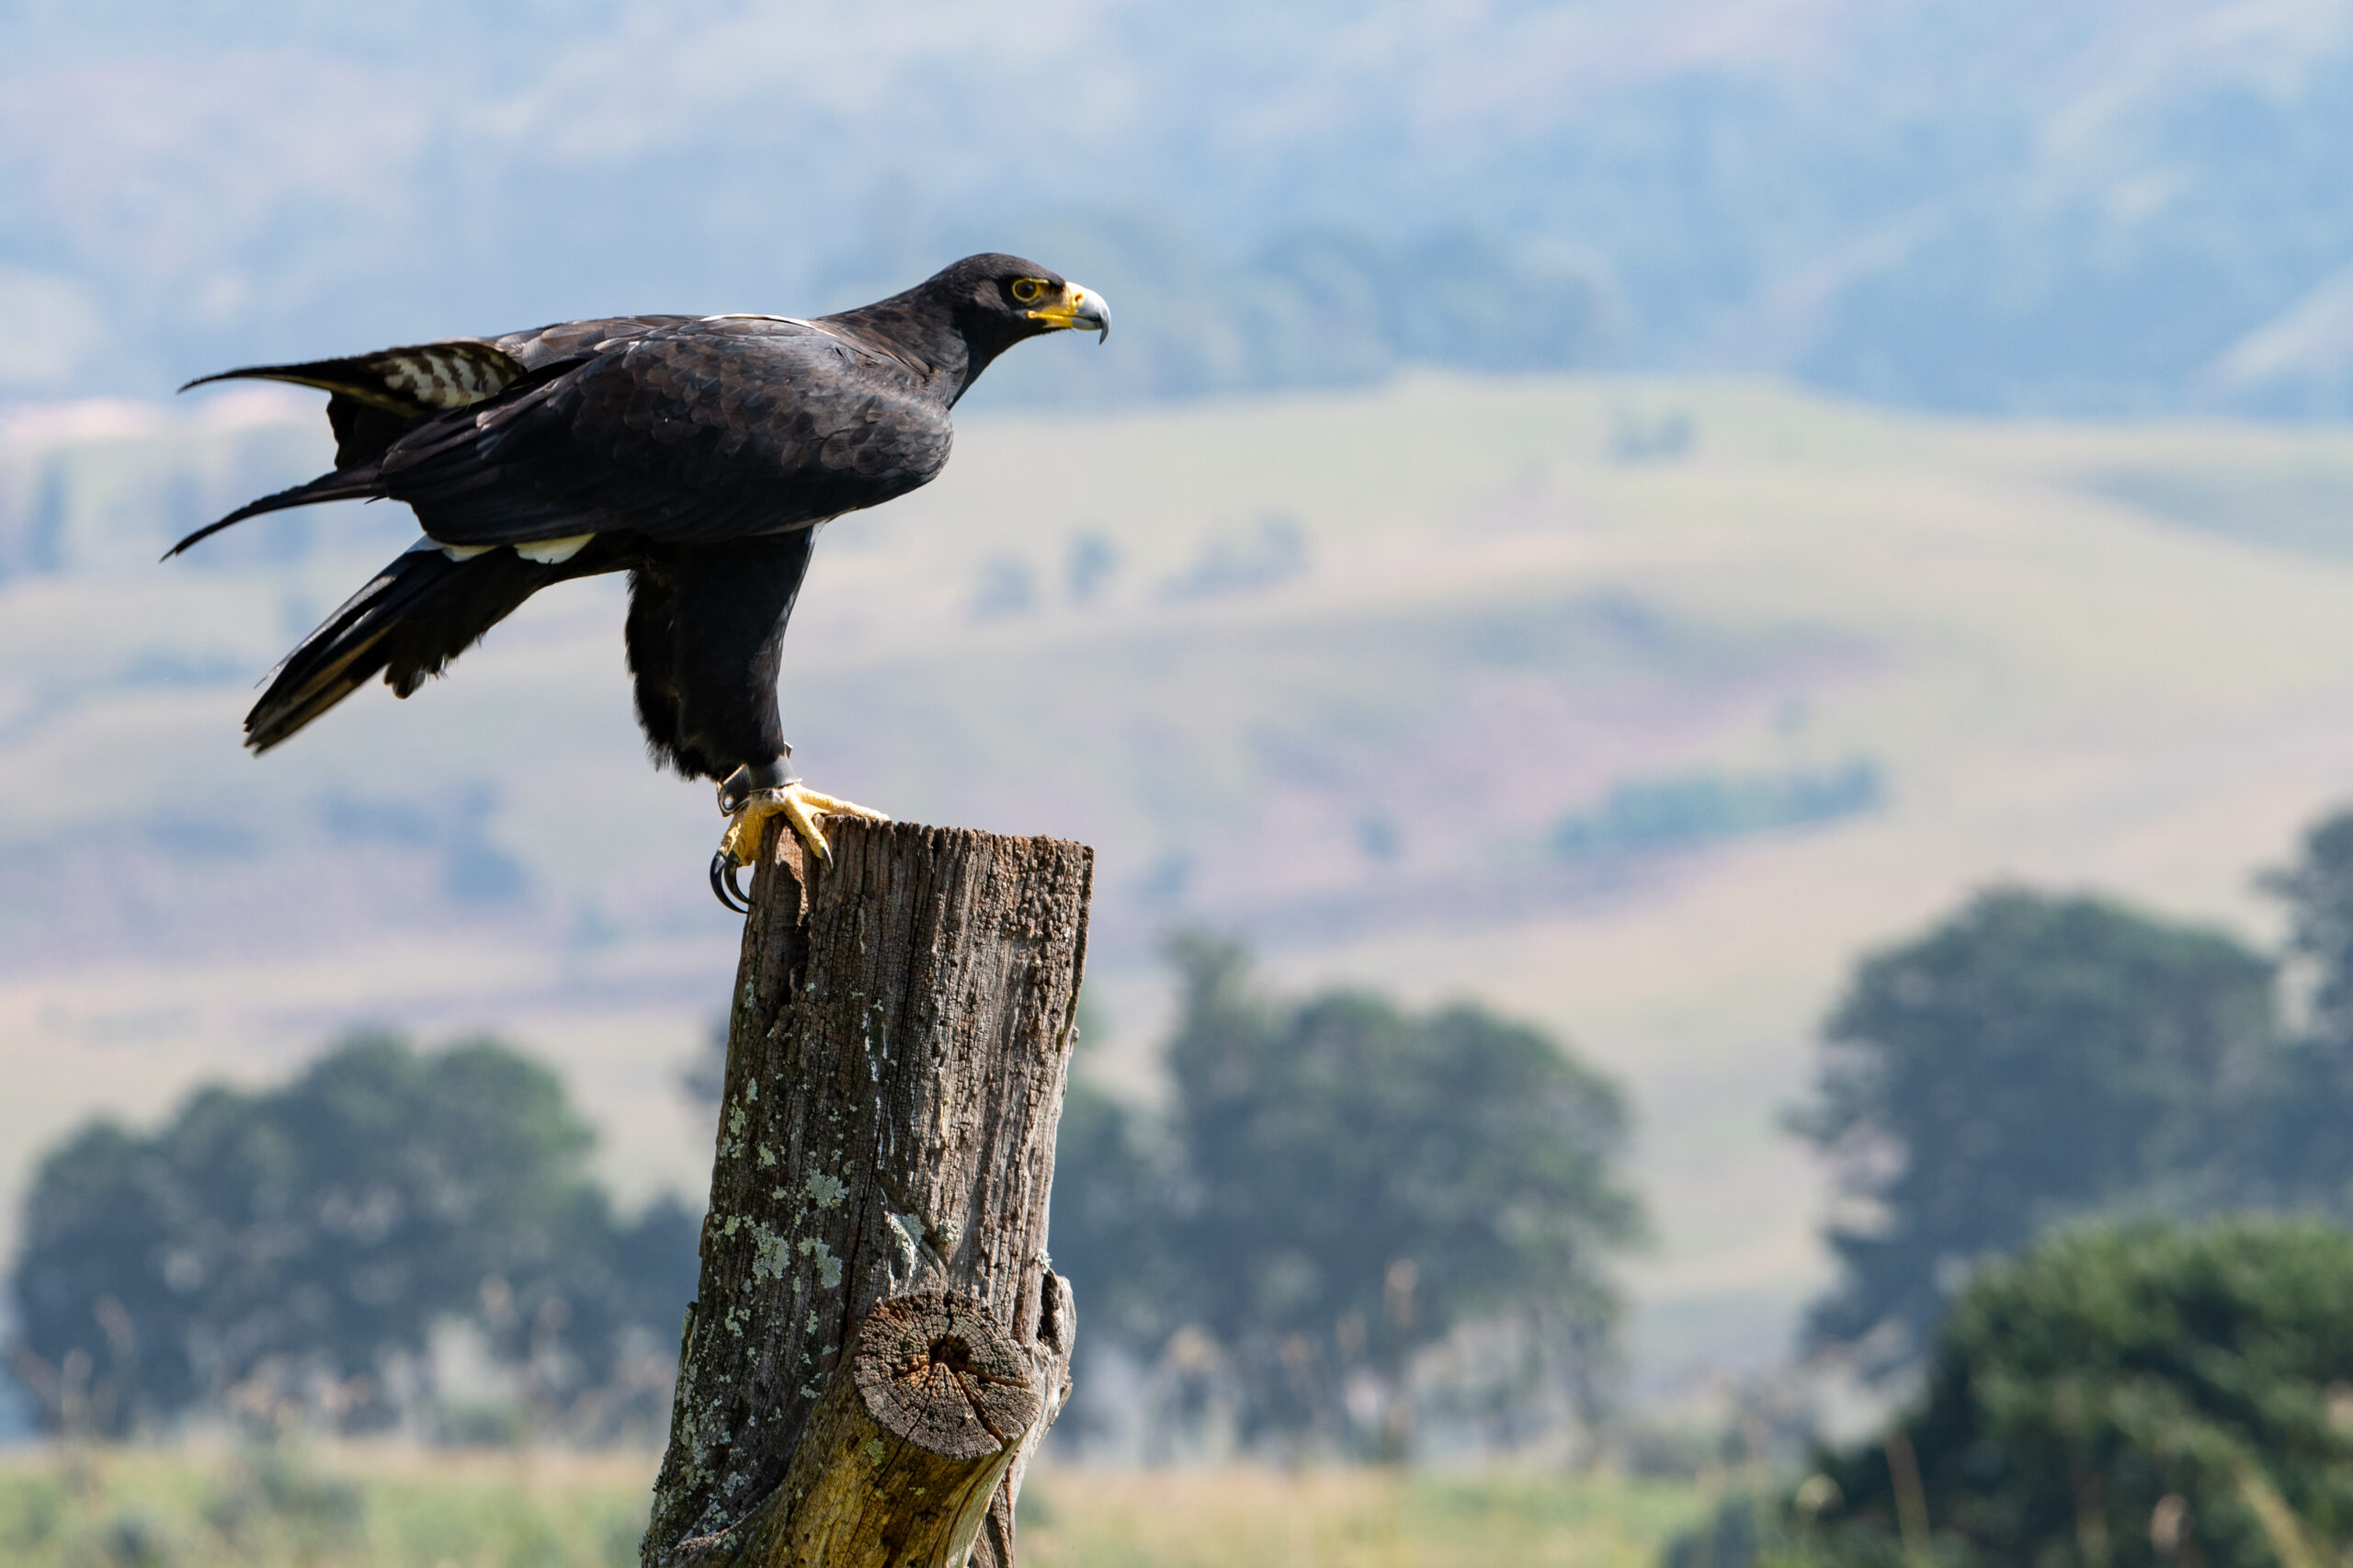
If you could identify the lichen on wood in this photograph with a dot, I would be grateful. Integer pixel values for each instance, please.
(897, 1053)
(915, 1436)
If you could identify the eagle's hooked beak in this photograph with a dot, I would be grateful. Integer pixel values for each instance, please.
(1077, 308)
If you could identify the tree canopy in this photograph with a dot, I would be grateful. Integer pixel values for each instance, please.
(298, 1244)
(1339, 1184)
(2297, 1150)
(2037, 1058)
(2026, 1101)
(2128, 1395)
(2030, 1059)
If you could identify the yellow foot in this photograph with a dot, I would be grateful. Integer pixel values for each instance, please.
(799, 806)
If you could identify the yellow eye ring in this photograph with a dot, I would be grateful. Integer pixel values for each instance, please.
(1029, 291)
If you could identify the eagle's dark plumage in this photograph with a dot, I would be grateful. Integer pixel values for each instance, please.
(698, 454)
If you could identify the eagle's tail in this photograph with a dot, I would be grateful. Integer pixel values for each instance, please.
(419, 613)
(343, 485)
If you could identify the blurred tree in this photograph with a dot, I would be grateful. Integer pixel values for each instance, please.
(1339, 1186)
(1114, 1198)
(703, 1078)
(2030, 1059)
(2318, 891)
(2141, 1394)
(2297, 1148)
(294, 1244)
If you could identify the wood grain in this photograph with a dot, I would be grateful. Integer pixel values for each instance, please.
(897, 1052)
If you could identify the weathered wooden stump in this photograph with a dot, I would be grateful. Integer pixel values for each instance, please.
(878, 1342)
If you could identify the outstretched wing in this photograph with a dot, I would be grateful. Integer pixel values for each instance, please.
(708, 430)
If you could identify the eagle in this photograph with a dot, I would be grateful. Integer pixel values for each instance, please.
(699, 454)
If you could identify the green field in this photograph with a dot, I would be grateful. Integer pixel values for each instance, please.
(392, 1507)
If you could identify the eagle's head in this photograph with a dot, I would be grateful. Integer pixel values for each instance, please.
(999, 300)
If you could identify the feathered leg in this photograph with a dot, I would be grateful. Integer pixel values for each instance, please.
(652, 638)
(727, 607)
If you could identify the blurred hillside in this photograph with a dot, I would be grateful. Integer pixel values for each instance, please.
(2117, 204)
(1635, 708)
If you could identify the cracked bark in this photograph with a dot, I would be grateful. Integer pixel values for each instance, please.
(896, 1057)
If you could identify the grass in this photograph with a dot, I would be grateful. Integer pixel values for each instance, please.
(198, 1506)
(1348, 1518)
(277, 1507)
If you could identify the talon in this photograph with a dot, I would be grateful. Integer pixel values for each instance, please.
(800, 806)
(724, 886)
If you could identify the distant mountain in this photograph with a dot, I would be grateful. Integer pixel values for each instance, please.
(2111, 205)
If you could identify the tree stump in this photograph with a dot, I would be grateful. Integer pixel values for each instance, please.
(878, 1342)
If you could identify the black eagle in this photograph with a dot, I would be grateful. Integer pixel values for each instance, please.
(699, 454)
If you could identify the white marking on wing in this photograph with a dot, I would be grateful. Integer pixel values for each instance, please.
(820, 328)
(553, 552)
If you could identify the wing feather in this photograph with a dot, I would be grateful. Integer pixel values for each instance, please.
(709, 430)
(413, 382)
(684, 430)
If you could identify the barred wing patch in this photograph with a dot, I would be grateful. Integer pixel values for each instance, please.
(446, 375)
(412, 382)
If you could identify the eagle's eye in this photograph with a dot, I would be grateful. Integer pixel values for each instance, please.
(1029, 291)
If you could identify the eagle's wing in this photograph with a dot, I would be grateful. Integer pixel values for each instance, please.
(702, 431)
(543, 346)
(373, 399)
